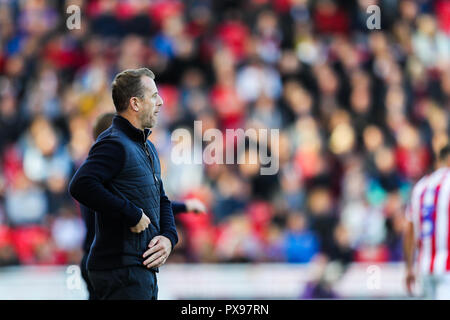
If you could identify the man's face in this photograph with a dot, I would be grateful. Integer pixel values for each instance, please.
(150, 104)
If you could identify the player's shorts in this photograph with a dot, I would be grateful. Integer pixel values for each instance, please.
(436, 287)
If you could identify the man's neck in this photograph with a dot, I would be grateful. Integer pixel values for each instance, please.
(133, 120)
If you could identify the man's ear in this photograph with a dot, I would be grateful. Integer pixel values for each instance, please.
(134, 104)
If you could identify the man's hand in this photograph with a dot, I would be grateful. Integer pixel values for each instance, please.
(195, 205)
(160, 248)
(142, 224)
(410, 279)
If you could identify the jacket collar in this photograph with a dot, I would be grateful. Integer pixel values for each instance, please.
(131, 131)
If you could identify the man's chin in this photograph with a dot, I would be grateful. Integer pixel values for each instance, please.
(150, 124)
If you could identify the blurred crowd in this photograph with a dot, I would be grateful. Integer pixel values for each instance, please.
(361, 113)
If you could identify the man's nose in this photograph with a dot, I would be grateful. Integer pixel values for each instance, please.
(160, 101)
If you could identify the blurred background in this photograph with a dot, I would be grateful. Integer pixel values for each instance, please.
(361, 113)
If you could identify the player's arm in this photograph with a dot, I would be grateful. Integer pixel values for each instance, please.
(190, 205)
(409, 248)
(178, 207)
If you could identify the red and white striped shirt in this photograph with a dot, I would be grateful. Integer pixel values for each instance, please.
(429, 211)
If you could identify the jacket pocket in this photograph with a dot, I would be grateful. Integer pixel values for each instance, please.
(147, 235)
(131, 242)
(137, 243)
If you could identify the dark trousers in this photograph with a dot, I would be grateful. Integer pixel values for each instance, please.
(127, 283)
(84, 274)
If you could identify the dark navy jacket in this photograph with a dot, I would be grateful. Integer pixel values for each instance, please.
(88, 216)
(120, 179)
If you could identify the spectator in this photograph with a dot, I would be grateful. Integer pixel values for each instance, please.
(300, 244)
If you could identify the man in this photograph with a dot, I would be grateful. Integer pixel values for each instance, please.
(190, 205)
(428, 230)
(121, 181)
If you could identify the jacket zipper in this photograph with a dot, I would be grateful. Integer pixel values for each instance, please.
(158, 186)
(151, 161)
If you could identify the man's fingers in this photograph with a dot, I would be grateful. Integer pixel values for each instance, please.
(137, 230)
(152, 250)
(158, 262)
(153, 258)
(142, 224)
(154, 241)
(158, 252)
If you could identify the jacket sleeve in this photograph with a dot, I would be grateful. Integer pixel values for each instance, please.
(166, 218)
(104, 162)
(167, 221)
